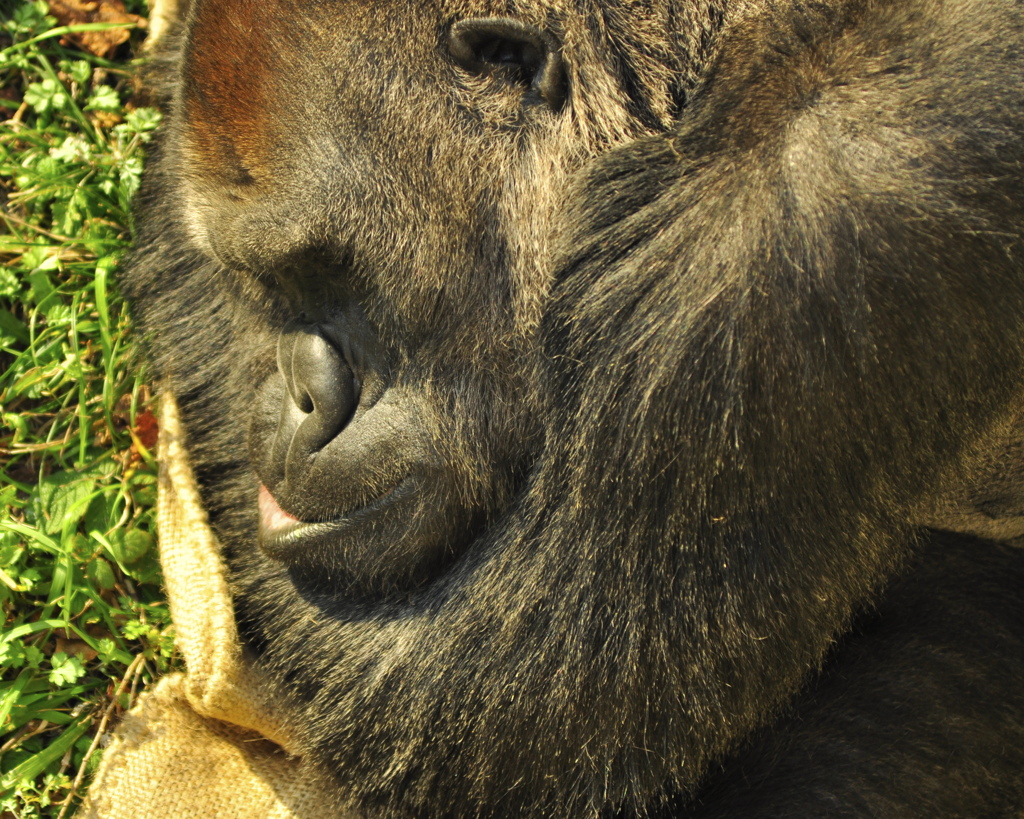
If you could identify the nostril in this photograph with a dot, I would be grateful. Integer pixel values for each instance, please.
(320, 384)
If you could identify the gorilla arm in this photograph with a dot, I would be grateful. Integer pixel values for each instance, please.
(917, 712)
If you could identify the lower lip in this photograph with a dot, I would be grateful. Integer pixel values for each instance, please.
(281, 533)
(273, 519)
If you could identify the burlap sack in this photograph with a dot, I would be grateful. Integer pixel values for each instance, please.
(199, 744)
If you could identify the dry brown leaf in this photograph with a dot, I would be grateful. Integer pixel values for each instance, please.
(100, 43)
(104, 119)
(80, 649)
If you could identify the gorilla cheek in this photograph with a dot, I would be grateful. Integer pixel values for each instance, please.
(351, 490)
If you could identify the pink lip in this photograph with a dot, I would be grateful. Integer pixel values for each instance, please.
(283, 536)
(272, 517)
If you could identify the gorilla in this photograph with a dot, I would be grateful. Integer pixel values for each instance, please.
(570, 383)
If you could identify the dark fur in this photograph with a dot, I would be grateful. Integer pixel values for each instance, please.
(689, 357)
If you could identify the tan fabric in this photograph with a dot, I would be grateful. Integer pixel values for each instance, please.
(198, 744)
(168, 762)
(163, 14)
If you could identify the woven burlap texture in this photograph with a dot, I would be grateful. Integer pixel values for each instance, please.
(199, 744)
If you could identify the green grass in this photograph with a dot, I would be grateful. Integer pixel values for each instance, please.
(84, 623)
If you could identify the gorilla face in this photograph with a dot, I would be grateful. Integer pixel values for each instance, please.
(580, 355)
(379, 441)
(383, 204)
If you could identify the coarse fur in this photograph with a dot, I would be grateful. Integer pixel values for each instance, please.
(658, 333)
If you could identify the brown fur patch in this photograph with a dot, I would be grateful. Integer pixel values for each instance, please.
(235, 78)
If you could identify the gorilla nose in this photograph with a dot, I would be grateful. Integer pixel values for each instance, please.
(322, 392)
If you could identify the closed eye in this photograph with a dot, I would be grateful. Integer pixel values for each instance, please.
(517, 59)
(512, 51)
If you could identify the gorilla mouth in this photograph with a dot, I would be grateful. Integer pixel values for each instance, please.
(281, 535)
(352, 490)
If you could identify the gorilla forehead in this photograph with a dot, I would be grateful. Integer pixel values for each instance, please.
(392, 157)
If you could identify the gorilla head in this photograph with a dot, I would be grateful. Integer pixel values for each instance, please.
(595, 357)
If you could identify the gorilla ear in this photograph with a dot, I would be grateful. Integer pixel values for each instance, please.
(513, 50)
